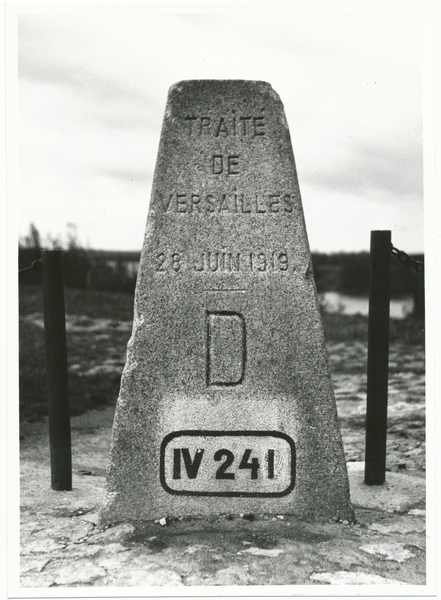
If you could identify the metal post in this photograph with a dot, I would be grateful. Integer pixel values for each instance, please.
(378, 358)
(418, 294)
(56, 361)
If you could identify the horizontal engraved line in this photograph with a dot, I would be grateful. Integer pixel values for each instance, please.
(227, 290)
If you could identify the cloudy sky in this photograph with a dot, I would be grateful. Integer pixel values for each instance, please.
(93, 86)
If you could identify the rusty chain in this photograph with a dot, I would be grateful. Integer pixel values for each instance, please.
(35, 265)
(405, 259)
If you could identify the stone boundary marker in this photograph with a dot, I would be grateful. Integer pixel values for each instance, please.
(226, 403)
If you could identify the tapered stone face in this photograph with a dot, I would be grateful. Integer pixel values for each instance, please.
(226, 403)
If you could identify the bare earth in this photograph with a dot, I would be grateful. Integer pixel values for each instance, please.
(63, 545)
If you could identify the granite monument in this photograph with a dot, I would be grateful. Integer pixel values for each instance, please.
(226, 403)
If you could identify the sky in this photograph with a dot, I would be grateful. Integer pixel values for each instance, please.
(92, 88)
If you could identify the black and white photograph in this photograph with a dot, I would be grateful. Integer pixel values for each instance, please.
(221, 235)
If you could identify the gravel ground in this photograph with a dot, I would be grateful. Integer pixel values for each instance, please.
(63, 545)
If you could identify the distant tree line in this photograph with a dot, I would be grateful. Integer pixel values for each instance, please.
(347, 273)
(82, 268)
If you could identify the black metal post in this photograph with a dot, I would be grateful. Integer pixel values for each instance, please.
(56, 361)
(378, 358)
(418, 294)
